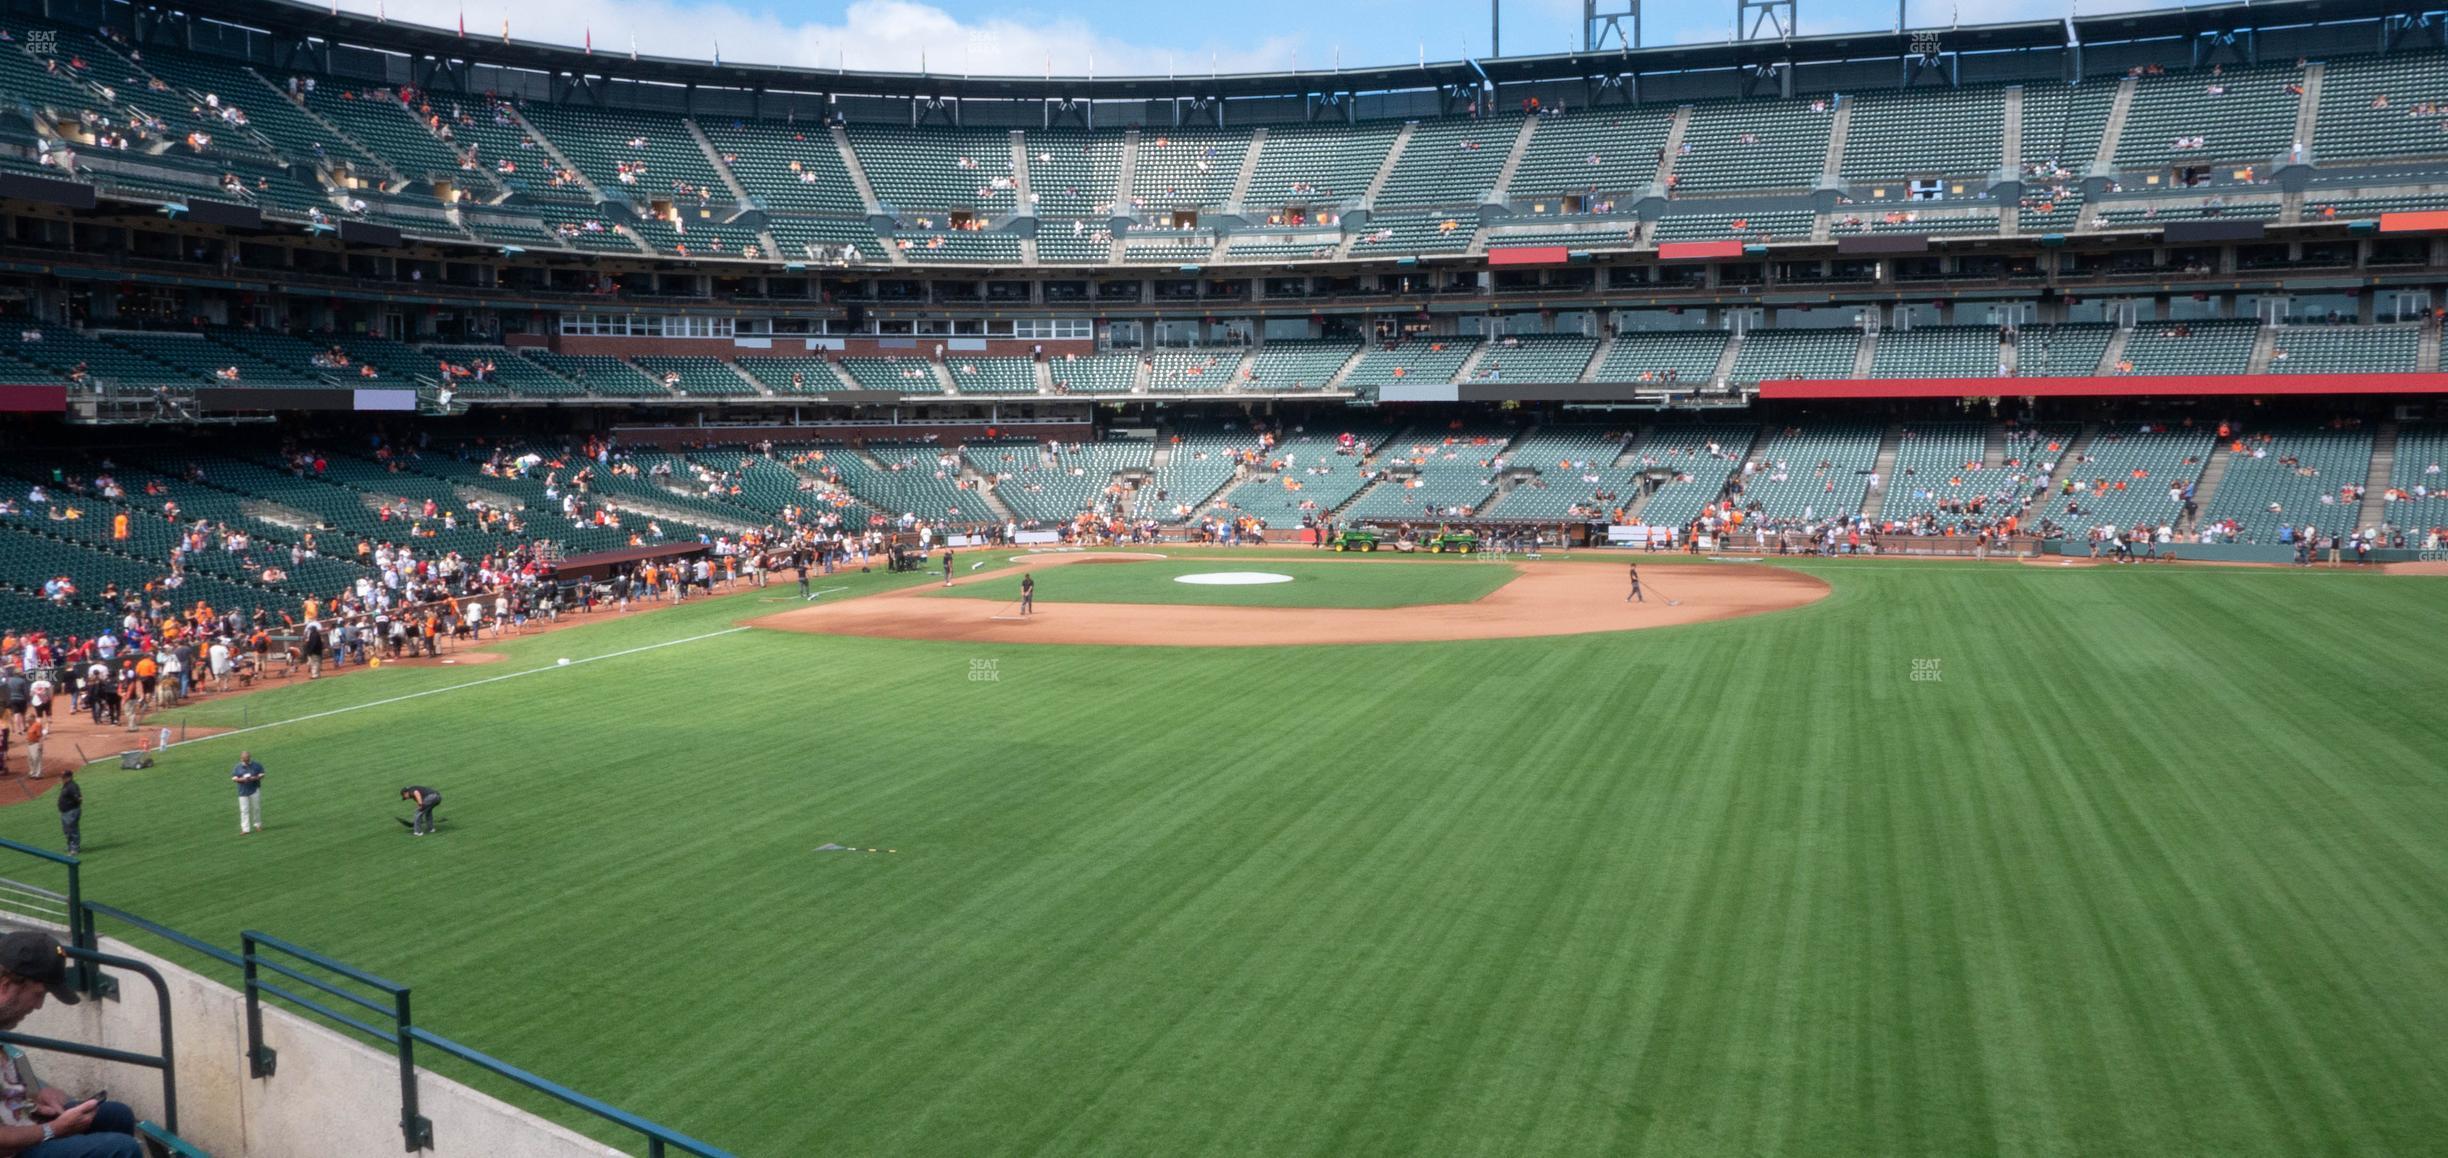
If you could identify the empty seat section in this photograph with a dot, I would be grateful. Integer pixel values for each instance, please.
(629, 153)
(906, 375)
(1416, 233)
(1925, 133)
(1535, 358)
(2345, 349)
(1194, 371)
(510, 370)
(1433, 473)
(1073, 173)
(1813, 353)
(1291, 364)
(605, 376)
(1773, 225)
(1753, 147)
(2201, 347)
(787, 167)
(789, 375)
(1697, 459)
(1574, 474)
(1318, 164)
(2070, 350)
(697, 377)
(1186, 168)
(1936, 352)
(2236, 114)
(1449, 163)
(2125, 476)
(984, 375)
(1420, 359)
(1664, 356)
(1813, 471)
(2368, 107)
(925, 170)
(1592, 153)
(1107, 373)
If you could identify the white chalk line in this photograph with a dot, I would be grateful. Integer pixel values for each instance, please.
(556, 666)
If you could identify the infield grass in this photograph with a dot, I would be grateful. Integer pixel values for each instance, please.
(2153, 866)
(1314, 584)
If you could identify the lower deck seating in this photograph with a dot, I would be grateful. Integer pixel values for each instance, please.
(2292, 476)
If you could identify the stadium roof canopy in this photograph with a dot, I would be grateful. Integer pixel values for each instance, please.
(297, 22)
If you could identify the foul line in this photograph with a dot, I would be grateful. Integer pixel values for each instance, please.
(452, 688)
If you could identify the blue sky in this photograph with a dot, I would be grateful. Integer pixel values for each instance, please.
(1111, 37)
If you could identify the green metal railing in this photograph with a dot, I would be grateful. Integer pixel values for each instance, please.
(274, 968)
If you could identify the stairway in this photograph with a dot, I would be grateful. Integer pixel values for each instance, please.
(2383, 467)
(2213, 473)
(2265, 343)
(1724, 369)
(1840, 128)
(1521, 147)
(2115, 352)
(1598, 357)
(2427, 352)
(1865, 353)
(1335, 381)
(858, 172)
(1993, 448)
(2104, 163)
(722, 169)
(1385, 169)
(1249, 168)
(746, 377)
(500, 192)
(1673, 148)
(1122, 180)
(1020, 174)
(1890, 444)
(2011, 157)
(2307, 113)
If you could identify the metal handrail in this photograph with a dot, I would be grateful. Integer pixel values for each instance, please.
(657, 1137)
(88, 962)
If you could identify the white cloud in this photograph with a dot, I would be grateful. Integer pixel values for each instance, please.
(891, 35)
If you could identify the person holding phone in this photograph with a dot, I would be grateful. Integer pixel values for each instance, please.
(37, 1121)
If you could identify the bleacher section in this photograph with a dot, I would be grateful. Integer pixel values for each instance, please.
(2419, 474)
(2201, 347)
(1199, 462)
(1815, 471)
(1593, 153)
(776, 373)
(1106, 373)
(511, 371)
(2369, 107)
(2240, 115)
(1419, 359)
(908, 478)
(1072, 174)
(629, 153)
(2292, 476)
(2126, 476)
(1815, 353)
(921, 170)
(1050, 486)
(1776, 225)
(2345, 349)
(1318, 164)
(1186, 168)
(1415, 233)
(1449, 163)
(1433, 474)
(983, 375)
(1937, 463)
(905, 375)
(606, 377)
(697, 377)
(1925, 134)
(1535, 358)
(789, 167)
(1680, 357)
(1285, 365)
(1576, 475)
(1193, 371)
(2069, 350)
(1753, 147)
(1936, 352)
(1699, 456)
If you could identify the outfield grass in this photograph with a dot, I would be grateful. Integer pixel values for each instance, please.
(1314, 584)
(2152, 867)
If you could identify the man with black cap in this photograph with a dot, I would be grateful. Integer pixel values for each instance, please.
(38, 1121)
(72, 810)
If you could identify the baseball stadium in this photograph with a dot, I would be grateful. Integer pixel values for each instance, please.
(1814, 593)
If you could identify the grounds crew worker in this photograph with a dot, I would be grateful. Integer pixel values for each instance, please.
(426, 800)
(72, 810)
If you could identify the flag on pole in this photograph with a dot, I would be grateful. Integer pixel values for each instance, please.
(463, 22)
(505, 30)
(633, 44)
(590, 40)
(718, 50)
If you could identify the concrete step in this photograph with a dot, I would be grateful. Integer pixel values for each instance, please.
(2375, 484)
(1393, 156)
(2121, 106)
(1891, 443)
(1513, 159)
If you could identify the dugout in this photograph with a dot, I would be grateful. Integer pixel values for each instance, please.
(597, 566)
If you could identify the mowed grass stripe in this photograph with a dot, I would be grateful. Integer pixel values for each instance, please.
(2145, 871)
